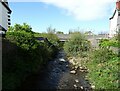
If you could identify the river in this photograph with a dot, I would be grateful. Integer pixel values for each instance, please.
(56, 75)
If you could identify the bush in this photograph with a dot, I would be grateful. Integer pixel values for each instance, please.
(101, 55)
(103, 69)
(76, 44)
(23, 39)
(52, 38)
(23, 55)
(106, 43)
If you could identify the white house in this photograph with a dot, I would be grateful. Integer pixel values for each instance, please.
(115, 20)
(5, 12)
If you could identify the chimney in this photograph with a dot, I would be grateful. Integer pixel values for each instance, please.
(118, 5)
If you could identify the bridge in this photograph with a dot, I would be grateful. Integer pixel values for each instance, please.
(94, 39)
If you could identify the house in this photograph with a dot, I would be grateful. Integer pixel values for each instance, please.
(115, 20)
(5, 12)
(88, 33)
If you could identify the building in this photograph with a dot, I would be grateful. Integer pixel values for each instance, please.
(5, 12)
(115, 20)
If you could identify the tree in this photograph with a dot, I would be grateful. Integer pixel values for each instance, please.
(59, 32)
(11, 29)
(26, 27)
(51, 30)
(17, 27)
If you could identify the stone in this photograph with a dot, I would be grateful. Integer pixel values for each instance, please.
(72, 61)
(82, 70)
(73, 72)
(76, 80)
(81, 67)
(75, 85)
(67, 65)
(93, 86)
(62, 60)
(76, 67)
(81, 87)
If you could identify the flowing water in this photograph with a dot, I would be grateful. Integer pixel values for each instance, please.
(56, 75)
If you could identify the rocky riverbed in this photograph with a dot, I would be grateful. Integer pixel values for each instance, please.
(59, 74)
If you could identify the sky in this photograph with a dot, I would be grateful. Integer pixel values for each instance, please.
(63, 15)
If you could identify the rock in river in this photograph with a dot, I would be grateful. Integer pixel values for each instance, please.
(76, 80)
(72, 71)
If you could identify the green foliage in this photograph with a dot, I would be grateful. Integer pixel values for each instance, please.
(59, 32)
(102, 55)
(76, 44)
(23, 55)
(23, 39)
(52, 38)
(104, 43)
(103, 69)
(17, 27)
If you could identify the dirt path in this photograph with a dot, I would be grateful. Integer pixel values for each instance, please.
(57, 76)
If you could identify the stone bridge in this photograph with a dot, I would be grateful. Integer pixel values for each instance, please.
(94, 39)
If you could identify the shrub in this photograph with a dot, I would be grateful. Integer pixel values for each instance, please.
(103, 69)
(23, 39)
(101, 55)
(23, 55)
(17, 27)
(106, 43)
(104, 75)
(76, 44)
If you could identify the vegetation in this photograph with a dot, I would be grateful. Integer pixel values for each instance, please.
(103, 69)
(59, 32)
(102, 63)
(23, 55)
(77, 44)
(50, 35)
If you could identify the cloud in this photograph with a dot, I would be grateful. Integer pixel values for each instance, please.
(81, 9)
(84, 9)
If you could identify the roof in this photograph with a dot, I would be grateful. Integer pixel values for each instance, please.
(118, 0)
(5, 4)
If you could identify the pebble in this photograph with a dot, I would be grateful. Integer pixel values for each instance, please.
(81, 67)
(76, 80)
(76, 67)
(82, 70)
(93, 86)
(75, 85)
(66, 65)
(73, 72)
(81, 87)
(62, 60)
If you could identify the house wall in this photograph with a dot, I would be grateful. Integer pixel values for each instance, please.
(113, 25)
(118, 22)
(3, 17)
